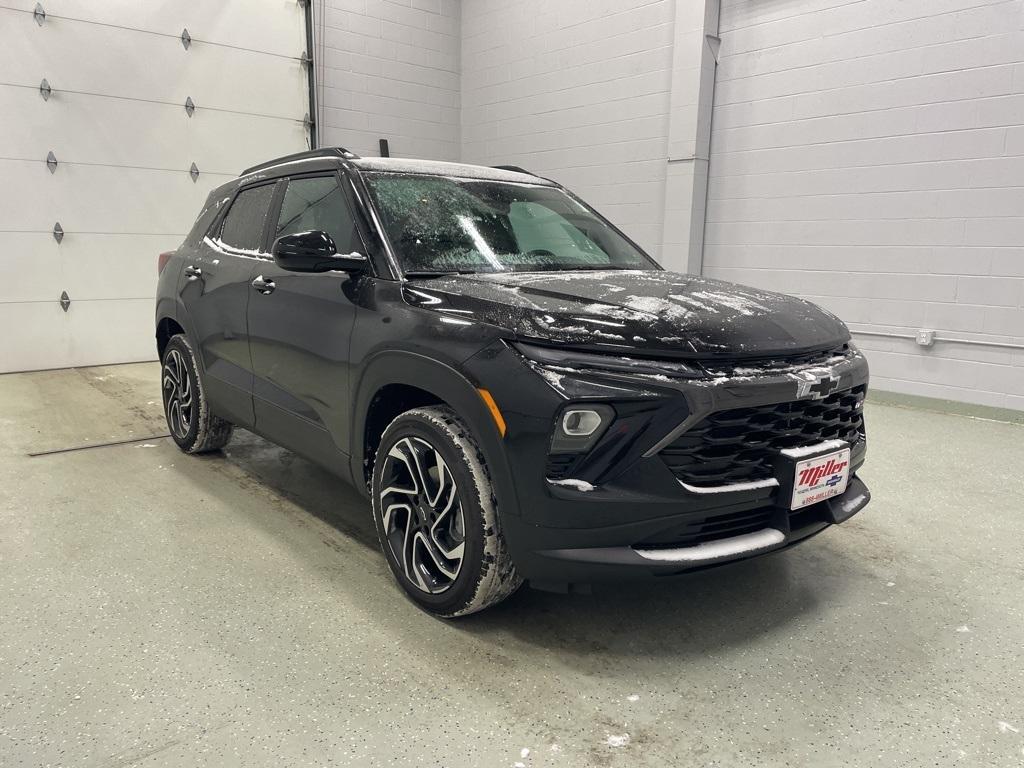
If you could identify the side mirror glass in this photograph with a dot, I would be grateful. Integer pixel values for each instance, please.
(314, 252)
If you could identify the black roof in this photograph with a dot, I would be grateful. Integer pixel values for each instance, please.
(506, 173)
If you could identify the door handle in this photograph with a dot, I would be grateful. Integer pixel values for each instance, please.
(263, 285)
(193, 273)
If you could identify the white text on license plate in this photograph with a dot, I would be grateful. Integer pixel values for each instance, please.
(820, 478)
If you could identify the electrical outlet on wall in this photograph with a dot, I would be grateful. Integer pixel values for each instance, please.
(925, 337)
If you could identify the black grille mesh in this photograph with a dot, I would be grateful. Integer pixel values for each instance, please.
(738, 445)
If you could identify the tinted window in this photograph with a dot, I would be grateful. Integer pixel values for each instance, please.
(213, 205)
(243, 226)
(318, 204)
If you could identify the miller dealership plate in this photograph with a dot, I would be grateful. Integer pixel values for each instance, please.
(820, 478)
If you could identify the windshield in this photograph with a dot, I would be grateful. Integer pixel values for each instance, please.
(443, 224)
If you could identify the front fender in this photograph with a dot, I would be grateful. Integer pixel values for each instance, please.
(447, 384)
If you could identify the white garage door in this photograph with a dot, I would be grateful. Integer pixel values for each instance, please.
(869, 154)
(115, 120)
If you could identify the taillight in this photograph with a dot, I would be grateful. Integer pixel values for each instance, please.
(162, 260)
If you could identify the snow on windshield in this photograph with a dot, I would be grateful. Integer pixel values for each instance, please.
(447, 224)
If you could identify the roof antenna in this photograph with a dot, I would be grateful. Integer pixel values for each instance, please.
(385, 151)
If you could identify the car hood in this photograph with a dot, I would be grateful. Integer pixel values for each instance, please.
(649, 311)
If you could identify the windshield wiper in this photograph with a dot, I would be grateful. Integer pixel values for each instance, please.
(447, 273)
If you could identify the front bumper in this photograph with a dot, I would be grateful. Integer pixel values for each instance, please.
(633, 517)
(554, 558)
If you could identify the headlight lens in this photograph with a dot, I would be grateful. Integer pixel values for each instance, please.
(595, 361)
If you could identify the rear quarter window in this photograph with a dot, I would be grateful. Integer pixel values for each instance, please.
(243, 225)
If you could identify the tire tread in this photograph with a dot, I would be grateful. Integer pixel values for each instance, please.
(213, 432)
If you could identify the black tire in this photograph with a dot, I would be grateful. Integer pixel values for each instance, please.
(446, 569)
(189, 420)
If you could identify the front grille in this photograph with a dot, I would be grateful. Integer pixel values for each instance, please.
(711, 528)
(739, 445)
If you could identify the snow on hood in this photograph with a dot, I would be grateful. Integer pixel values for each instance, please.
(653, 311)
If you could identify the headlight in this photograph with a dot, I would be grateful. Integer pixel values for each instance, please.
(595, 361)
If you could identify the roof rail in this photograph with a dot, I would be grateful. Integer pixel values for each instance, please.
(515, 168)
(339, 152)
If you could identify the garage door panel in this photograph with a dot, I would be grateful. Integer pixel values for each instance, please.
(116, 122)
(143, 135)
(96, 198)
(228, 22)
(117, 331)
(31, 267)
(113, 266)
(34, 267)
(89, 333)
(38, 336)
(68, 55)
(213, 140)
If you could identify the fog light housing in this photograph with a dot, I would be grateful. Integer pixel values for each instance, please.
(580, 426)
(581, 422)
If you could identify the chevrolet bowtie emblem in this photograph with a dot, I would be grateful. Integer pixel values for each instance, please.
(816, 387)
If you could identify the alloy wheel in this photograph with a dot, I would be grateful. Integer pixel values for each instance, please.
(178, 401)
(422, 515)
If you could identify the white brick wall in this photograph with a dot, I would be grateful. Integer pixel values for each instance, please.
(389, 69)
(577, 90)
(869, 155)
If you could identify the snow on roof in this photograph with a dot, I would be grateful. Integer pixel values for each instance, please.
(439, 168)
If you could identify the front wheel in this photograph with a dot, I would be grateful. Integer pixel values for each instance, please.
(189, 420)
(436, 515)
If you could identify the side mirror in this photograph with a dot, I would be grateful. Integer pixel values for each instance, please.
(314, 252)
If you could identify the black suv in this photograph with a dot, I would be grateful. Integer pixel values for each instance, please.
(520, 390)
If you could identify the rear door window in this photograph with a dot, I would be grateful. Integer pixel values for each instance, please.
(243, 225)
(318, 204)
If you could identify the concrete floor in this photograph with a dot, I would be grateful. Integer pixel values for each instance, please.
(158, 610)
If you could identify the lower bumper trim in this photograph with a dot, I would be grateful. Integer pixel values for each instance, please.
(718, 549)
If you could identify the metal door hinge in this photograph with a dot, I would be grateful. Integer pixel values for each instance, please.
(58, 232)
(45, 90)
(51, 162)
(190, 106)
(39, 14)
(194, 172)
(186, 38)
(65, 301)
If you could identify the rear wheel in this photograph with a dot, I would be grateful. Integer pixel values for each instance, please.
(189, 420)
(436, 515)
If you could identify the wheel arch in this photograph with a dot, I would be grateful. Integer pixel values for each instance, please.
(394, 379)
(166, 327)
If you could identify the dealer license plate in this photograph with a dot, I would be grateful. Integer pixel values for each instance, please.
(820, 478)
